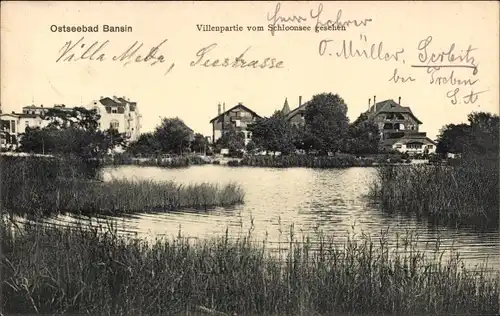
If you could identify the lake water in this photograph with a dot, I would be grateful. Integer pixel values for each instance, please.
(331, 201)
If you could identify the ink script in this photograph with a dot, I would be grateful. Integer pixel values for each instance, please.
(137, 53)
(314, 16)
(99, 52)
(455, 69)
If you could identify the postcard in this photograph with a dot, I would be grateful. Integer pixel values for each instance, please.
(250, 158)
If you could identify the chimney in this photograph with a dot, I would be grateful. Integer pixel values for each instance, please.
(399, 101)
(224, 107)
(101, 97)
(41, 105)
(218, 111)
(369, 103)
(374, 103)
(300, 100)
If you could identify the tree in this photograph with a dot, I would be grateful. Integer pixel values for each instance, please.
(71, 131)
(364, 136)
(484, 133)
(479, 137)
(326, 122)
(147, 144)
(251, 146)
(232, 139)
(173, 135)
(453, 139)
(273, 134)
(199, 143)
(78, 117)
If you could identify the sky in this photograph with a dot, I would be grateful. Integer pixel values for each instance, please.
(414, 33)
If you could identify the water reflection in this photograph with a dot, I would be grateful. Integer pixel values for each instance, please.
(330, 201)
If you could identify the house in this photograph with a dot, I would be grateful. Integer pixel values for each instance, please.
(295, 116)
(118, 113)
(13, 126)
(238, 116)
(399, 127)
(9, 130)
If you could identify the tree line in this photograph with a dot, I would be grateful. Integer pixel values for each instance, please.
(325, 129)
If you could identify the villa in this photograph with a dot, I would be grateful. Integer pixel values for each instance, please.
(239, 116)
(399, 127)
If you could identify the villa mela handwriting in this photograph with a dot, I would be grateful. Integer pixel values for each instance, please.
(135, 53)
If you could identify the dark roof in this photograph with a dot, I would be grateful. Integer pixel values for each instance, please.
(119, 102)
(234, 107)
(23, 115)
(297, 110)
(406, 140)
(391, 106)
(110, 102)
(286, 107)
(132, 104)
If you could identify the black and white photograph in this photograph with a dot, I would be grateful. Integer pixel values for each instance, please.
(241, 158)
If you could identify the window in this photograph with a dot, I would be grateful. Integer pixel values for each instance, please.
(429, 146)
(114, 124)
(114, 110)
(237, 123)
(398, 146)
(27, 123)
(13, 126)
(414, 145)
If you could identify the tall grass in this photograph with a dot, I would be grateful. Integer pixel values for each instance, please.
(172, 162)
(339, 161)
(44, 187)
(463, 194)
(59, 270)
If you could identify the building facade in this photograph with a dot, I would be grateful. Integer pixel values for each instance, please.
(399, 127)
(239, 116)
(296, 116)
(9, 131)
(118, 113)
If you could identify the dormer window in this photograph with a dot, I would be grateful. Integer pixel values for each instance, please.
(114, 110)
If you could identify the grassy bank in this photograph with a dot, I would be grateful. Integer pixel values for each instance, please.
(49, 186)
(56, 270)
(339, 161)
(463, 194)
(171, 162)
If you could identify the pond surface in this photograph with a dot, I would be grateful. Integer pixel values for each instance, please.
(329, 201)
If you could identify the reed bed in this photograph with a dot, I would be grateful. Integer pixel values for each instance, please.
(171, 162)
(74, 271)
(463, 194)
(287, 161)
(42, 187)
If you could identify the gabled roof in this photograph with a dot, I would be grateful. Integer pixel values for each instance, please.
(297, 110)
(110, 102)
(132, 103)
(239, 105)
(286, 107)
(407, 139)
(390, 106)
